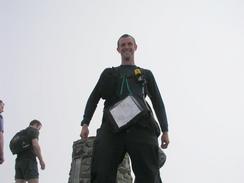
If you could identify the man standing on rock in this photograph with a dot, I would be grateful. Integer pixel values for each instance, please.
(128, 124)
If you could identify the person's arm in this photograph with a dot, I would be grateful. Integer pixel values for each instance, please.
(1, 148)
(91, 106)
(158, 107)
(37, 150)
(93, 99)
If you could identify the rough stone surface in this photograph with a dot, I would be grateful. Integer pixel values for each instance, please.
(81, 161)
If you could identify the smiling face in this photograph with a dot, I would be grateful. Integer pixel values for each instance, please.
(127, 47)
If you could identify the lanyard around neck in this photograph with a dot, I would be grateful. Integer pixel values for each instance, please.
(125, 80)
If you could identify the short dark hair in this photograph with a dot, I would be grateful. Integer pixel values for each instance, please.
(35, 122)
(1, 101)
(125, 36)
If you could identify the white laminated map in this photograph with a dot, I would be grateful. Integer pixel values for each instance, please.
(124, 111)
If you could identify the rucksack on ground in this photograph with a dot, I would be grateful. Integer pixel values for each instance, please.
(20, 142)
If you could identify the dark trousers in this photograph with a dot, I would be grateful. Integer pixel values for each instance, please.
(139, 141)
(158, 179)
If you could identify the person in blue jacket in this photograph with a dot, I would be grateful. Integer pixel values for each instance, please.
(1, 133)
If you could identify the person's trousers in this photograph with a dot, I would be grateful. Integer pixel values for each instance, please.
(139, 141)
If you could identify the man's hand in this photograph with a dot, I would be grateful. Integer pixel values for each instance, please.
(84, 132)
(42, 163)
(164, 140)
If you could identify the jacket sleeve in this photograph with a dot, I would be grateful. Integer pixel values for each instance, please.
(157, 102)
(93, 100)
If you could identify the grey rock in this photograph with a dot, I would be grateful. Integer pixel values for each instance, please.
(81, 161)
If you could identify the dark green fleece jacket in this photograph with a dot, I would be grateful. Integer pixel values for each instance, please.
(112, 87)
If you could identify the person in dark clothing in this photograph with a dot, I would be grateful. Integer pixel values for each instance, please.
(1, 132)
(140, 139)
(25, 164)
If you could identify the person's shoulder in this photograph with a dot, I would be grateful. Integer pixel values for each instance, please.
(110, 70)
(145, 71)
(107, 69)
(33, 132)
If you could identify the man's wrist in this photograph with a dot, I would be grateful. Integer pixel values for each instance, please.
(85, 125)
(85, 121)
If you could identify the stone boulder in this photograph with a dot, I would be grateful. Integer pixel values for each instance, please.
(81, 161)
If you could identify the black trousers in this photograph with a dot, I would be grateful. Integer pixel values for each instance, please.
(139, 141)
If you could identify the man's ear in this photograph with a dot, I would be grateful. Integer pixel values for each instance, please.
(135, 46)
(118, 49)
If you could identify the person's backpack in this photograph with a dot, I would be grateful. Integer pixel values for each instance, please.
(20, 142)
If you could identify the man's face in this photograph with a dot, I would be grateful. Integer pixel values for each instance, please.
(1, 107)
(126, 47)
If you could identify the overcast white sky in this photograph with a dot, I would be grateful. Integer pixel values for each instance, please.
(52, 53)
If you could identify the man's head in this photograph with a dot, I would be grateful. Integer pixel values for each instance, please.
(1, 106)
(126, 46)
(125, 36)
(35, 124)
